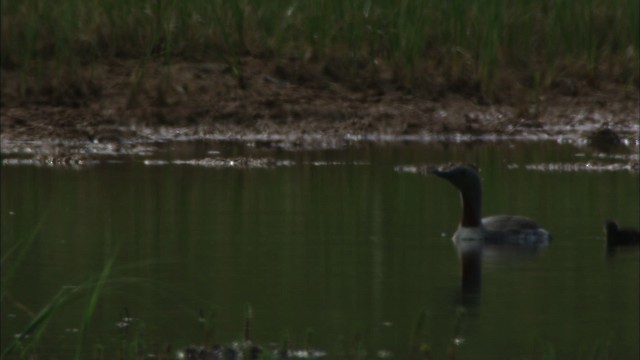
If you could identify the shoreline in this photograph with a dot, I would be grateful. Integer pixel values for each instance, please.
(206, 101)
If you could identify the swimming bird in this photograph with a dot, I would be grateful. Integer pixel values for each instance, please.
(474, 232)
(620, 237)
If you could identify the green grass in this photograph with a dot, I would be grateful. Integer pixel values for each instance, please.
(479, 41)
(29, 338)
(27, 343)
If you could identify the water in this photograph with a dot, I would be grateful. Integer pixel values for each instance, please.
(337, 248)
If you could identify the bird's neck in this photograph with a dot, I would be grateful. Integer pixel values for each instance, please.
(471, 208)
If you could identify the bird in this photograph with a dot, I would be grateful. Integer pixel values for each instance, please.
(475, 232)
(620, 237)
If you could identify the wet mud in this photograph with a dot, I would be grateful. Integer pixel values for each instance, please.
(112, 112)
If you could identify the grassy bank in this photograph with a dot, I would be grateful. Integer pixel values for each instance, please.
(415, 43)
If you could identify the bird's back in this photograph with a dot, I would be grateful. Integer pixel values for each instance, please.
(509, 222)
(514, 230)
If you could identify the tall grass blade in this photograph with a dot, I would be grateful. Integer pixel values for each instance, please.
(91, 306)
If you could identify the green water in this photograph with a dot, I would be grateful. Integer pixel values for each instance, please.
(338, 245)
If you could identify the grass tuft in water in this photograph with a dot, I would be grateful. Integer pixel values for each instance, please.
(29, 337)
(26, 343)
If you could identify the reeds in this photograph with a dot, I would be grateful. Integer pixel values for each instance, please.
(29, 338)
(476, 40)
(27, 341)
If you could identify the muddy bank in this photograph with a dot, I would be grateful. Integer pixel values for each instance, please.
(119, 107)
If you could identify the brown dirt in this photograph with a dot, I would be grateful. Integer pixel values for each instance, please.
(120, 103)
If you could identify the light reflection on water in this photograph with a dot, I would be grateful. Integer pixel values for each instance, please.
(342, 242)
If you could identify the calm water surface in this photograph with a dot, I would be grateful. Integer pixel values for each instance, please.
(338, 245)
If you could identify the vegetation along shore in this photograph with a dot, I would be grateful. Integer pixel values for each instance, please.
(94, 71)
